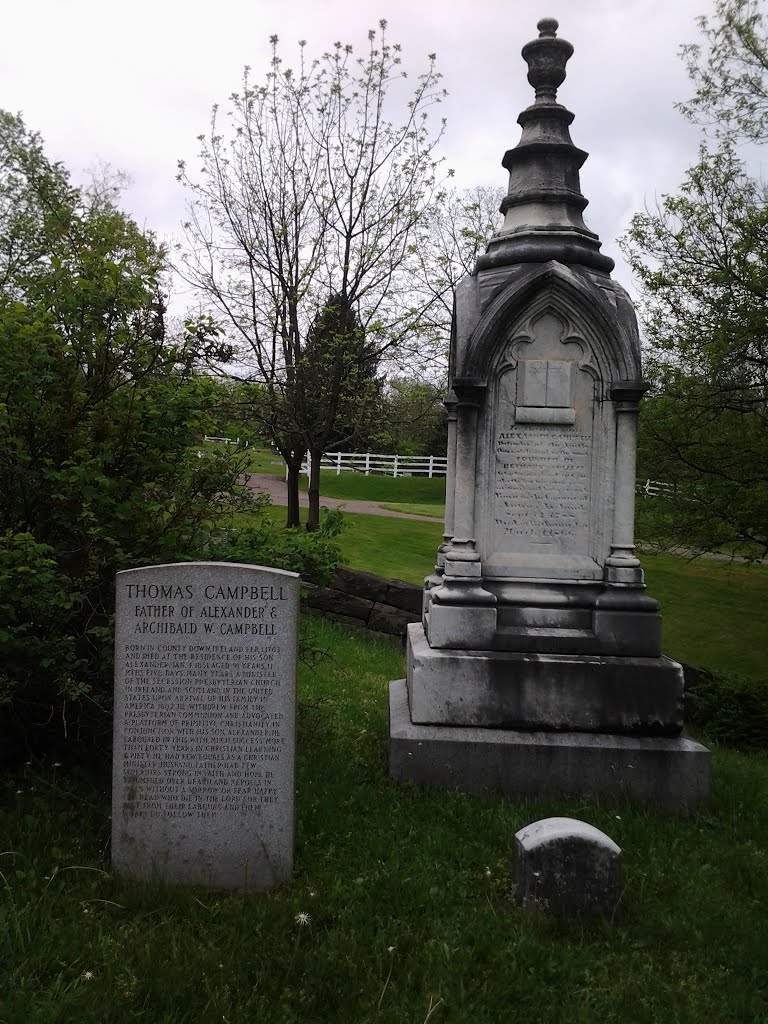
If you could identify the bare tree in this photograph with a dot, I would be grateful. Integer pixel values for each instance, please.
(449, 243)
(308, 190)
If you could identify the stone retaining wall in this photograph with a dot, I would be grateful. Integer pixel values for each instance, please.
(363, 599)
(373, 602)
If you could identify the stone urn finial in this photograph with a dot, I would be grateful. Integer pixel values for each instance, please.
(543, 206)
(546, 58)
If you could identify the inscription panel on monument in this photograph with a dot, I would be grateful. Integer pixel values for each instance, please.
(205, 675)
(542, 486)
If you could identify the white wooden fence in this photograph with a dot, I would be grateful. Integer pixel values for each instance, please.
(423, 465)
(409, 465)
(226, 440)
(382, 465)
(653, 487)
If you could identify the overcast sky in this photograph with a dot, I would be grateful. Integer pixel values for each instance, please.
(133, 84)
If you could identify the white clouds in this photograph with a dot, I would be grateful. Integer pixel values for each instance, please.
(133, 84)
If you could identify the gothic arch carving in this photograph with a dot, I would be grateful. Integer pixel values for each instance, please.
(608, 331)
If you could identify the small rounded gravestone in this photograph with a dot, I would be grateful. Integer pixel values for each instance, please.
(565, 866)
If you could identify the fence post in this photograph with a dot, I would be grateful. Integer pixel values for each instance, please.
(431, 466)
(394, 472)
(367, 463)
(338, 463)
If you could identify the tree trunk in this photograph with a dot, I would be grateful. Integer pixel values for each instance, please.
(292, 483)
(313, 515)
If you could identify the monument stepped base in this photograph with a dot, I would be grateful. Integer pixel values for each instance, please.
(549, 692)
(668, 774)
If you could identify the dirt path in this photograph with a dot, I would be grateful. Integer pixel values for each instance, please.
(275, 487)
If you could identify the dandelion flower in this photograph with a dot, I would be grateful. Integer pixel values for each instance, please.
(88, 975)
(301, 919)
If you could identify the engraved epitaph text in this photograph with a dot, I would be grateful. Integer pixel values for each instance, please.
(542, 489)
(205, 667)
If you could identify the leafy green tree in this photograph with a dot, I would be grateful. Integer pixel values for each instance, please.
(702, 260)
(336, 389)
(310, 190)
(729, 70)
(100, 419)
(412, 418)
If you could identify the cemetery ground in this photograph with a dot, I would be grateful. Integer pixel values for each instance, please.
(400, 908)
(400, 902)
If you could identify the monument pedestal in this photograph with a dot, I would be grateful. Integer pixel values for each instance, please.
(529, 690)
(668, 774)
(538, 668)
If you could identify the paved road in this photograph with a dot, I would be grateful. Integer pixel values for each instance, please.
(275, 487)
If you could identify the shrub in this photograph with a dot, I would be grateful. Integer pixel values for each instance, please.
(101, 415)
(732, 709)
(36, 605)
(313, 555)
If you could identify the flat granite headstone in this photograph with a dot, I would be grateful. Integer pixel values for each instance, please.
(204, 733)
(564, 866)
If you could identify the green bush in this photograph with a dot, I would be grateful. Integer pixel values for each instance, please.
(313, 555)
(36, 606)
(101, 418)
(732, 709)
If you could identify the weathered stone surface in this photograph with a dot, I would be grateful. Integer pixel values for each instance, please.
(539, 620)
(386, 619)
(508, 689)
(327, 599)
(461, 627)
(563, 866)
(204, 734)
(670, 775)
(358, 583)
(404, 595)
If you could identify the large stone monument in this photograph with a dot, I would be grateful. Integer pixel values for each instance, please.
(205, 696)
(538, 664)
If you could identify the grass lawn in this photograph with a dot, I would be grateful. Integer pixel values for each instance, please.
(415, 509)
(401, 549)
(715, 612)
(263, 460)
(410, 489)
(411, 915)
